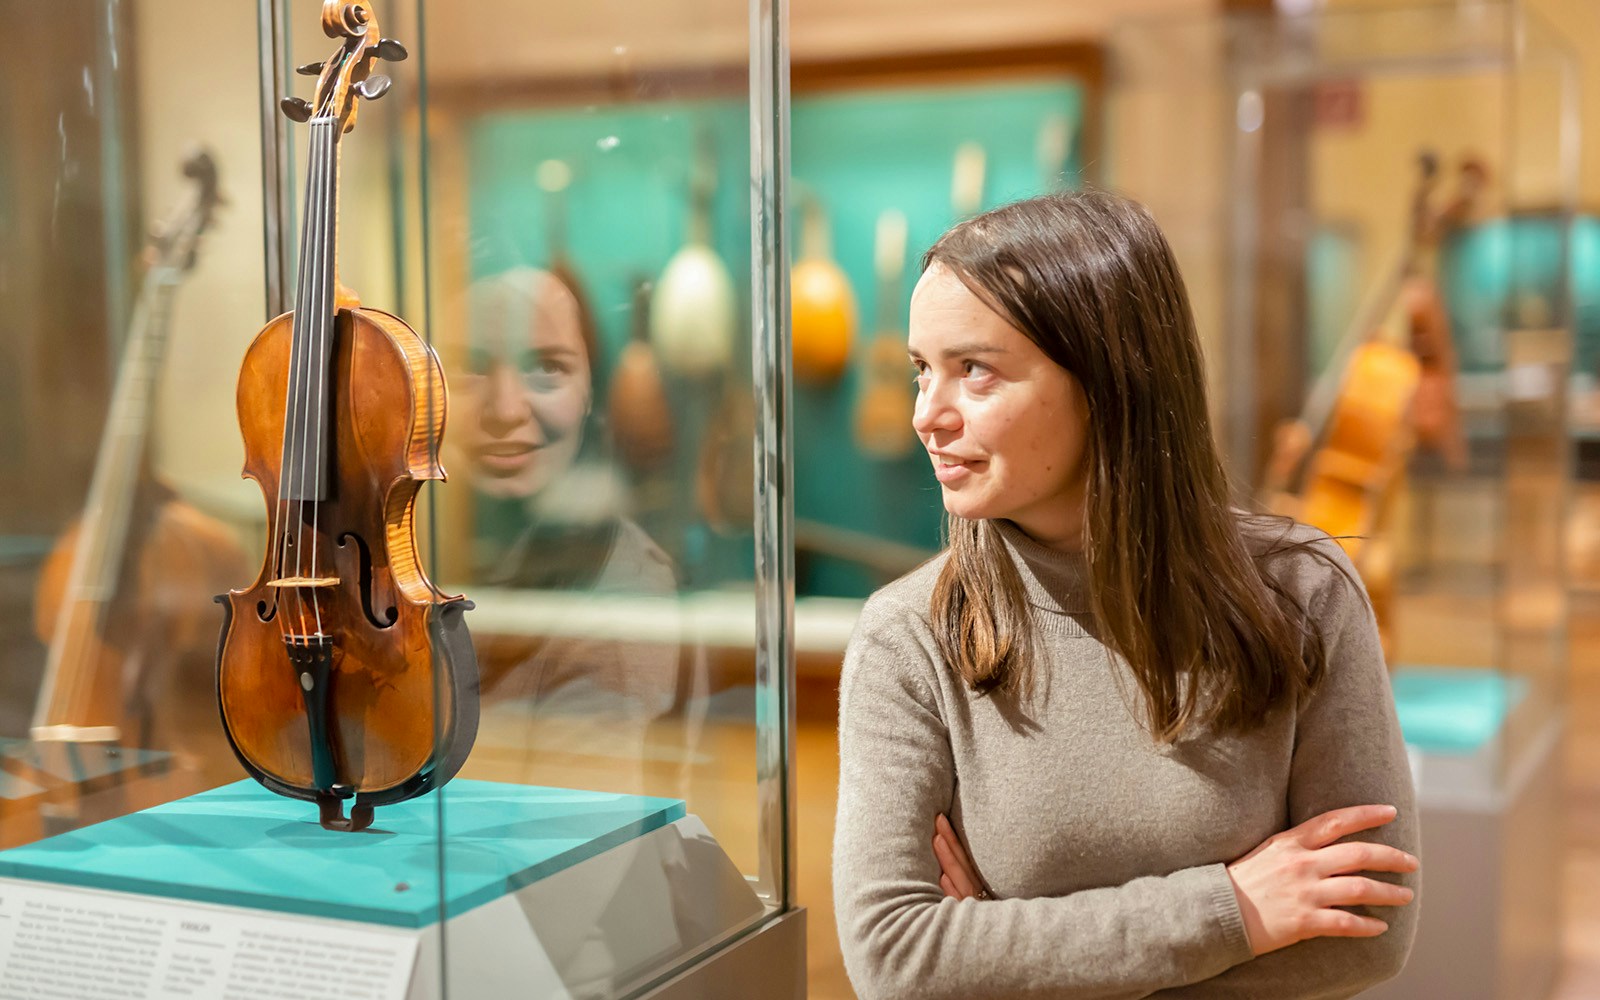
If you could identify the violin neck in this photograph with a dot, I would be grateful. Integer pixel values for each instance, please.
(97, 558)
(306, 418)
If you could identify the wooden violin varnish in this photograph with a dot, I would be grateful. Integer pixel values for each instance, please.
(345, 676)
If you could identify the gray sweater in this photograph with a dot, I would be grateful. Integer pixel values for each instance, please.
(1104, 851)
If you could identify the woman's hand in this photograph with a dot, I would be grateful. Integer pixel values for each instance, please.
(1288, 886)
(957, 877)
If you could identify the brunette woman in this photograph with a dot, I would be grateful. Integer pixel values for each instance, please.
(1120, 739)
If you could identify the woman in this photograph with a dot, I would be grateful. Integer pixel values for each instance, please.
(549, 514)
(1111, 742)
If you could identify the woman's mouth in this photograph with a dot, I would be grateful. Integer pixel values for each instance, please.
(950, 470)
(506, 457)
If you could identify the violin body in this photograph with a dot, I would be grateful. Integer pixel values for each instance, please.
(386, 708)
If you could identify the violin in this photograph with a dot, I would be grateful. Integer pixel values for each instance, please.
(115, 599)
(344, 676)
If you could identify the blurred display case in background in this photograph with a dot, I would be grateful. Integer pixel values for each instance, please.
(1377, 213)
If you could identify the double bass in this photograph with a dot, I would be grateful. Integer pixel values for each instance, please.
(344, 676)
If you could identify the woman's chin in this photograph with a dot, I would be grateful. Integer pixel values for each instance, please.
(504, 485)
(966, 506)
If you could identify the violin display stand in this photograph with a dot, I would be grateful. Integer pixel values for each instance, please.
(1492, 848)
(545, 892)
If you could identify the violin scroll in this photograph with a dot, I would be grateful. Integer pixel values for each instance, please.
(348, 72)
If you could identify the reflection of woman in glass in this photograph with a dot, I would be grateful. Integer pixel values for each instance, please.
(549, 513)
(1121, 739)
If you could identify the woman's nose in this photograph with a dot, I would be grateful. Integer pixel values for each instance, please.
(935, 409)
(505, 405)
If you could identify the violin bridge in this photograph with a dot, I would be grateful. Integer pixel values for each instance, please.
(304, 581)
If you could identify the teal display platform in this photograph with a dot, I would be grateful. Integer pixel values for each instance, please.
(1453, 710)
(244, 846)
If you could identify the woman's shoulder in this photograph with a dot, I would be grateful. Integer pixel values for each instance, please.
(1304, 560)
(635, 564)
(892, 645)
(905, 600)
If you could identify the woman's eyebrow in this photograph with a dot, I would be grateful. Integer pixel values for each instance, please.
(962, 350)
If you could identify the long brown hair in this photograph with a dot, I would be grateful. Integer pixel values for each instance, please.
(1175, 586)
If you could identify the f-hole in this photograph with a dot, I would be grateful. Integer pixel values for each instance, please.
(391, 614)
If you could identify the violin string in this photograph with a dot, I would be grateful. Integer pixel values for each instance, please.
(324, 329)
(322, 320)
(306, 315)
(285, 504)
(311, 480)
(302, 344)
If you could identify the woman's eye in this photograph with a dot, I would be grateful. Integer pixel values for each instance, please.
(971, 369)
(544, 369)
(479, 360)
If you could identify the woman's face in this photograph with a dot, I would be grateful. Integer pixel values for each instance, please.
(1005, 427)
(527, 390)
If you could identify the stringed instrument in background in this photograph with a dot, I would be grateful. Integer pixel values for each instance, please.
(637, 403)
(692, 323)
(344, 675)
(822, 306)
(1359, 415)
(887, 401)
(121, 599)
(883, 410)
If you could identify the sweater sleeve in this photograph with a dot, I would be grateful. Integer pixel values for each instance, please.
(1348, 751)
(901, 937)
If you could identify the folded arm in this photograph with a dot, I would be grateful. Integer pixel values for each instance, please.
(901, 937)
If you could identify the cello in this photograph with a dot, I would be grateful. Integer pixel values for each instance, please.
(115, 598)
(1376, 401)
(344, 676)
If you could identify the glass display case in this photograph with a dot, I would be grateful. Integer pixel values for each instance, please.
(582, 213)
(1359, 185)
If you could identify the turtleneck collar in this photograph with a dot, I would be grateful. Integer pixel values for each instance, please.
(1056, 581)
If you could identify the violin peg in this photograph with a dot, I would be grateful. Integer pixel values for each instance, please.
(391, 50)
(374, 87)
(309, 69)
(298, 109)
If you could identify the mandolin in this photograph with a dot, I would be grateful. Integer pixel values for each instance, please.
(692, 323)
(823, 308)
(344, 676)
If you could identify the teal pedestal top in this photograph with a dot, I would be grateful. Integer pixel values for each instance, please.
(1453, 710)
(242, 845)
